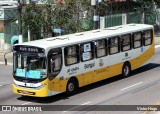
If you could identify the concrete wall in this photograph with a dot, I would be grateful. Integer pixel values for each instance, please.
(1, 33)
(7, 14)
(1, 26)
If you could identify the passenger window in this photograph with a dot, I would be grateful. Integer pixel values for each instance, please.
(137, 40)
(126, 42)
(54, 62)
(114, 45)
(71, 55)
(101, 48)
(87, 51)
(147, 37)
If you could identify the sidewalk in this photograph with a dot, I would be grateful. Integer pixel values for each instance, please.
(9, 56)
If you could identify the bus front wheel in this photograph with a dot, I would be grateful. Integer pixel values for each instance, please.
(71, 87)
(126, 70)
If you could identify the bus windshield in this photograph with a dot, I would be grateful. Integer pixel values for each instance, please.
(30, 66)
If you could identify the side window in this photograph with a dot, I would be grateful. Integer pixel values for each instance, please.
(87, 51)
(101, 49)
(147, 35)
(137, 40)
(114, 45)
(54, 62)
(126, 42)
(71, 55)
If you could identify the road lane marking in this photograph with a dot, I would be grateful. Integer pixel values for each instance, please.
(6, 84)
(86, 103)
(131, 86)
(77, 106)
(26, 103)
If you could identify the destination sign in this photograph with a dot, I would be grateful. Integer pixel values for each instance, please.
(22, 48)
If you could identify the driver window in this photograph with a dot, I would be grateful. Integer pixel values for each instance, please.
(56, 63)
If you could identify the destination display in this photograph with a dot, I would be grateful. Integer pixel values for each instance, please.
(24, 48)
(35, 74)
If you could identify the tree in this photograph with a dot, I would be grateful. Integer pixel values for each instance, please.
(32, 18)
(41, 19)
(37, 18)
(69, 16)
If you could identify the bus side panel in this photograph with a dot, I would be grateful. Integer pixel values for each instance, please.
(80, 80)
(100, 74)
(54, 85)
(92, 76)
(88, 78)
(147, 55)
(134, 63)
(115, 69)
(63, 84)
(149, 52)
(140, 60)
(58, 85)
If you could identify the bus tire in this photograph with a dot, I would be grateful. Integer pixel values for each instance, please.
(126, 70)
(72, 86)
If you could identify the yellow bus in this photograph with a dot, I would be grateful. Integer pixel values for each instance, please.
(53, 65)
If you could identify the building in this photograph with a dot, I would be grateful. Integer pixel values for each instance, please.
(8, 13)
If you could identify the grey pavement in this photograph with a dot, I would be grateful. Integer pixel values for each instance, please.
(10, 58)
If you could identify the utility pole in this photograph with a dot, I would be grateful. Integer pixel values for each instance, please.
(95, 3)
(96, 18)
(20, 21)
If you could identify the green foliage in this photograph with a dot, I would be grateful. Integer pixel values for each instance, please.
(32, 17)
(69, 16)
(42, 18)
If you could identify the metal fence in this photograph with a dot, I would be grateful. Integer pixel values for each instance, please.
(133, 14)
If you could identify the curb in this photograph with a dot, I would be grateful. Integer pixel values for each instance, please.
(8, 63)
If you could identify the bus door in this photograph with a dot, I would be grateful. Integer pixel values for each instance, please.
(54, 68)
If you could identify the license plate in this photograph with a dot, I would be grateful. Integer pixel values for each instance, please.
(25, 92)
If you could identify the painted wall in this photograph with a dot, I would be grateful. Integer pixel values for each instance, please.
(1, 33)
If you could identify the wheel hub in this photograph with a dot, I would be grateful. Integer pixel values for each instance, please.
(126, 70)
(71, 87)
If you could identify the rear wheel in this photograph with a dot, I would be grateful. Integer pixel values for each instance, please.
(71, 87)
(126, 70)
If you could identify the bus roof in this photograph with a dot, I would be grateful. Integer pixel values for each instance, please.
(65, 40)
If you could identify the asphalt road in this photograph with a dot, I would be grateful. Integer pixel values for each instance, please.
(141, 88)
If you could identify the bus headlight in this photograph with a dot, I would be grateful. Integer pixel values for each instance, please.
(41, 86)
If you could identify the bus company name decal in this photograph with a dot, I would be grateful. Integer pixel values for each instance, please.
(90, 65)
(72, 70)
